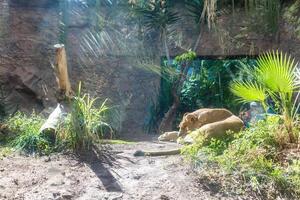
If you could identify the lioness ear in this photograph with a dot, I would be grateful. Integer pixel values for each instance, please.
(185, 114)
(193, 118)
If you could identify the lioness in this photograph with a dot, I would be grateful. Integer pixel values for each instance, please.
(216, 129)
(201, 117)
(212, 123)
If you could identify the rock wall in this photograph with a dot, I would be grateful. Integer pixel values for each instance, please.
(26, 51)
(29, 29)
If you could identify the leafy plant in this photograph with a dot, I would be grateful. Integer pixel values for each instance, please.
(185, 58)
(274, 78)
(27, 136)
(157, 16)
(86, 123)
(249, 161)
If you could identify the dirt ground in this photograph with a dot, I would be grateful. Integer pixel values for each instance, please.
(113, 174)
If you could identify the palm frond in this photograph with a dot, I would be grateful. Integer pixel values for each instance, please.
(277, 72)
(248, 91)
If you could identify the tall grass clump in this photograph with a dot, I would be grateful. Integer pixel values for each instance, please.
(273, 78)
(86, 122)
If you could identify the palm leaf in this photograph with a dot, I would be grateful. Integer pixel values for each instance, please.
(277, 72)
(248, 91)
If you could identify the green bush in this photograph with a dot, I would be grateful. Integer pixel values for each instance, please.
(254, 157)
(84, 125)
(26, 133)
(274, 77)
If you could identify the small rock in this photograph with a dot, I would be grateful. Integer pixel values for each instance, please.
(164, 197)
(56, 194)
(16, 181)
(34, 182)
(57, 183)
(67, 196)
(2, 170)
(137, 177)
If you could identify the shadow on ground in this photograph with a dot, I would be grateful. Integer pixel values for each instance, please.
(101, 160)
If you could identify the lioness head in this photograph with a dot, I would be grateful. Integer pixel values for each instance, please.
(188, 122)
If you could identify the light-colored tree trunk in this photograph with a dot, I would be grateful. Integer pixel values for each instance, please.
(64, 89)
(61, 71)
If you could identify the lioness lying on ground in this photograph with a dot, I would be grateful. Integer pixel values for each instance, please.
(210, 123)
(216, 129)
(201, 117)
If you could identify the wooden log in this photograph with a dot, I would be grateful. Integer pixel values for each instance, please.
(61, 71)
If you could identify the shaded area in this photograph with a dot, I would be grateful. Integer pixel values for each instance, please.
(102, 160)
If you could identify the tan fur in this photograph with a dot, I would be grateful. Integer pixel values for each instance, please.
(201, 117)
(216, 129)
(169, 136)
(210, 123)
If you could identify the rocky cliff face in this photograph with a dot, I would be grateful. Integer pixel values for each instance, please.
(29, 29)
(26, 52)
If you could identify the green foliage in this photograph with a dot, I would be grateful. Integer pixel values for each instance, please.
(157, 15)
(27, 137)
(195, 8)
(191, 151)
(275, 78)
(86, 123)
(206, 85)
(248, 91)
(186, 57)
(191, 93)
(252, 159)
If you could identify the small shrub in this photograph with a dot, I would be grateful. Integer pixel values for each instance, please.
(26, 133)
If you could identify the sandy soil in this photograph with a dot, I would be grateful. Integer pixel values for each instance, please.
(113, 174)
